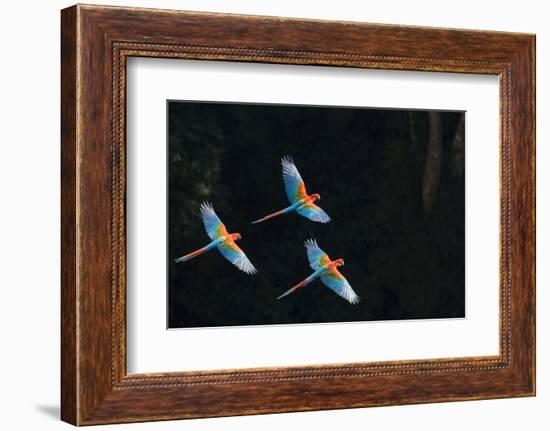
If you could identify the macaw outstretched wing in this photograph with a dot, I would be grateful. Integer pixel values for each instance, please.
(212, 223)
(313, 212)
(233, 253)
(338, 283)
(317, 257)
(294, 185)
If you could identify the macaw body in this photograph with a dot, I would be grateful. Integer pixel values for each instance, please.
(300, 201)
(222, 240)
(327, 271)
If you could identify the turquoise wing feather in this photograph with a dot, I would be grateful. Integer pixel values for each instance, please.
(317, 257)
(338, 283)
(294, 185)
(212, 223)
(313, 212)
(234, 254)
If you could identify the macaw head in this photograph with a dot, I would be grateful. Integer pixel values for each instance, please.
(339, 262)
(236, 236)
(315, 197)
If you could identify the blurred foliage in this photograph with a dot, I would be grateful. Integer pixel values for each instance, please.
(403, 262)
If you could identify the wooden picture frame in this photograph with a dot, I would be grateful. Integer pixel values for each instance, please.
(95, 43)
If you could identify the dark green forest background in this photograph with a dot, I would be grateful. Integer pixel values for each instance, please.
(391, 180)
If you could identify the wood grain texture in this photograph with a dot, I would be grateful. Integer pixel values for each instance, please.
(69, 397)
(96, 41)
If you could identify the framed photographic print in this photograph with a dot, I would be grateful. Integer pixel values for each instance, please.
(267, 215)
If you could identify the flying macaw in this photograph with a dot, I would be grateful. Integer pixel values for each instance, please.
(327, 270)
(296, 192)
(224, 241)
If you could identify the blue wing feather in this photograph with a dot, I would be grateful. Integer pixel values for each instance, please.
(314, 213)
(317, 257)
(212, 223)
(234, 254)
(338, 283)
(294, 185)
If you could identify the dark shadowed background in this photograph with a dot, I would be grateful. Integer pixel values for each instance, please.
(391, 180)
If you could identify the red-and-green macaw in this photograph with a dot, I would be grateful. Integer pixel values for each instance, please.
(222, 240)
(327, 270)
(300, 201)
